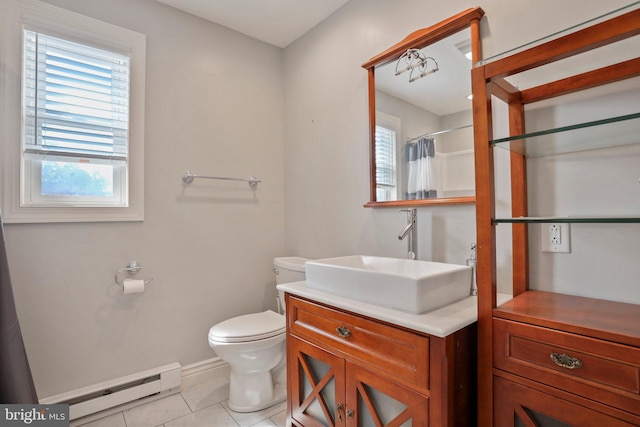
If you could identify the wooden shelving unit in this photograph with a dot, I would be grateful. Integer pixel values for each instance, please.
(549, 359)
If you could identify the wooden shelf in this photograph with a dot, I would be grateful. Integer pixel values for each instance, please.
(610, 320)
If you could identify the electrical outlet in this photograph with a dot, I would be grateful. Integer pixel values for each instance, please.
(556, 238)
(555, 234)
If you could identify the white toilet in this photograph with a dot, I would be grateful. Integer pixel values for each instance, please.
(254, 346)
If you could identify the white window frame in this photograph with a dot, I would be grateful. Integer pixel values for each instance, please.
(14, 16)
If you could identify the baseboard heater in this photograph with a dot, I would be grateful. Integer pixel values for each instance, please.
(157, 382)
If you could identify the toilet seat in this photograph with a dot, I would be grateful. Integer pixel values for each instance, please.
(249, 327)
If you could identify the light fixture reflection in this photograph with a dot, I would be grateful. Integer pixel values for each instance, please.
(417, 63)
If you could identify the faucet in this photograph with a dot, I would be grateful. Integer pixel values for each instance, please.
(410, 229)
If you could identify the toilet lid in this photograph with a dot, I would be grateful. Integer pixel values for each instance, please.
(249, 327)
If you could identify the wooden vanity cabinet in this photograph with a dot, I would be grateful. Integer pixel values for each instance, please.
(344, 369)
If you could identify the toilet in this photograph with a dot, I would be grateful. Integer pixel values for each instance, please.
(254, 347)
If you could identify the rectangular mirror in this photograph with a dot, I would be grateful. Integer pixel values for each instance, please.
(421, 123)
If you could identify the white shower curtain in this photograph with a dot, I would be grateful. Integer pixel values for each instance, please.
(421, 183)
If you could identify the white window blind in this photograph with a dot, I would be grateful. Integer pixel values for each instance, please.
(76, 100)
(385, 157)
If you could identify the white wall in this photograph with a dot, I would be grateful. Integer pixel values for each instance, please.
(221, 103)
(214, 105)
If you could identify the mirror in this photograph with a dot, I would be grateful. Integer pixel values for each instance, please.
(421, 122)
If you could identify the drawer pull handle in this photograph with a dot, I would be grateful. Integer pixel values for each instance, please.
(566, 361)
(343, 332)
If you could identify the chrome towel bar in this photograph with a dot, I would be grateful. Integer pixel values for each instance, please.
(188, 178)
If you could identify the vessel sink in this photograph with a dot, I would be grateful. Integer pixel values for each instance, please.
(411, 286)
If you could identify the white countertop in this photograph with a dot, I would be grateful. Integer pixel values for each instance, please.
(440, 323)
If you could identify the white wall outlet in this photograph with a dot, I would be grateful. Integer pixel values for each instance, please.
(556, 237)
(555, 234)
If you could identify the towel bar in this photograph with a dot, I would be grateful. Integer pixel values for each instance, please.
(188, 178)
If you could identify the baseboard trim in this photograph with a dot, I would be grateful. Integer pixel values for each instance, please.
(194, 373)
(203, 366)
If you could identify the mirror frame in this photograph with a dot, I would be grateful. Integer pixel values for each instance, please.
(419, 39)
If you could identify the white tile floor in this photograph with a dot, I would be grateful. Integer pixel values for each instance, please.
(201, 403)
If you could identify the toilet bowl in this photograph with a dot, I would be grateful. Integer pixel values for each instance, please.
(254, 347)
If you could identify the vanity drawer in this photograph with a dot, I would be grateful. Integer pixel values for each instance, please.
(400, 353)
(597, 369)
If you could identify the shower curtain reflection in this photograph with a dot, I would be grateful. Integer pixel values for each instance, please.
(421, 181)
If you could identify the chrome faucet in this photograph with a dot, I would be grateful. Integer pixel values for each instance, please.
(410, 229)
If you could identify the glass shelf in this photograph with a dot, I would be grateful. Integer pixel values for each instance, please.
(568, 219)
(605, 133)
(560, 33)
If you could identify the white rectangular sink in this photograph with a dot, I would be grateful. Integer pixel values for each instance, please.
(415, 287)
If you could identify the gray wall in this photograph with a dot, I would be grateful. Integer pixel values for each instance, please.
(221, 103)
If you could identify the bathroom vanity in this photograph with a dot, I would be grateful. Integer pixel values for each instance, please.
(356, 364)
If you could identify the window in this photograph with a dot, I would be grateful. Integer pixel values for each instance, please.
(385, 163)
(387, 129)
(75, 118)
(81, 138)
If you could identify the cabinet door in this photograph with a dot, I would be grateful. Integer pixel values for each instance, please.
(375, 401)
(516, 405)
(316, 385)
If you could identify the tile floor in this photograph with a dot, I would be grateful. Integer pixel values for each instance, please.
(201, 403)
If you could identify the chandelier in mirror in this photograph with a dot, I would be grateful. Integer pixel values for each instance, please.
(417, 63)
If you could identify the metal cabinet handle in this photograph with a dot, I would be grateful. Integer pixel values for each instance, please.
(349, 413)
(566, 361)
(339, 408)
(343, 332)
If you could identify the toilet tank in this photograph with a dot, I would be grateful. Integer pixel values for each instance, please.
(287, 270)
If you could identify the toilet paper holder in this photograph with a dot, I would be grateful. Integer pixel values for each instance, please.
(132, 268)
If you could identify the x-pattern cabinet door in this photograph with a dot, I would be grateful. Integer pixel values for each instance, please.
(329, 391)
(317, 384)
(373, 400)
(521, 406)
